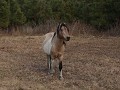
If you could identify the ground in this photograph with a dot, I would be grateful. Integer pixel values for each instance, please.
(90, 63)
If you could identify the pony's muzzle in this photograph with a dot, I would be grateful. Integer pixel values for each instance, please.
(67, 38)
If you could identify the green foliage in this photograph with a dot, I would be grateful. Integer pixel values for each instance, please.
(4, 14)
(42, 11)
(99, 13)
(16, 15)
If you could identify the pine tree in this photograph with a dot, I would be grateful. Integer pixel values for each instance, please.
(16, 15)
(4, 14)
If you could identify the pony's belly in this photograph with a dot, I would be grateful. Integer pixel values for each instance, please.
(47, 47)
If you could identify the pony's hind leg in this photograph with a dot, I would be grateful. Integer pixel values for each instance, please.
(50, 64)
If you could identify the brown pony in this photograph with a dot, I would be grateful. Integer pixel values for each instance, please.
(54, 46)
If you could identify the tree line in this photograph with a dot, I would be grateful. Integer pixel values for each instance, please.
(98, 13)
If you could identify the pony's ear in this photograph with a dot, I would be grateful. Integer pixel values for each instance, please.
(64, 24)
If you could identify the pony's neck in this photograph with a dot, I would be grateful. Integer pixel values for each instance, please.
(59, 42)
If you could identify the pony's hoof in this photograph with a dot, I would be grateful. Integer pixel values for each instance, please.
(61, 78)
(48, 73)
(52, 71)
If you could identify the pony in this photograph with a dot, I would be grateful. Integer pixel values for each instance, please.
(54, 47)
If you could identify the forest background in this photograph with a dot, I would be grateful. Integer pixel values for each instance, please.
(40, 16)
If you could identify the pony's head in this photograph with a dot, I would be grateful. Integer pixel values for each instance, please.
(63, 32)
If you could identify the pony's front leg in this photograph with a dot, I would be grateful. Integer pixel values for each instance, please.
(60, 68)
(48, 62)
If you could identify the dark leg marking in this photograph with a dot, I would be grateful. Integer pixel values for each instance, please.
(60, 65)
(49, 61)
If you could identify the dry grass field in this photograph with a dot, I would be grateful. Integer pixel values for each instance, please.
(90, 63)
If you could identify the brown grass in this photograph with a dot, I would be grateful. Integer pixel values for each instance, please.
(89, 64)
(76, 28)
(114, 30)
